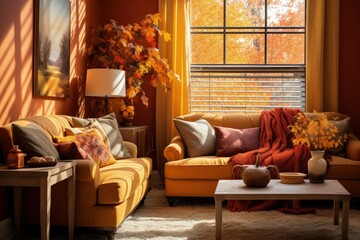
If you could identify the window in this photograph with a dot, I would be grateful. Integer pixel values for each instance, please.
(247, 55)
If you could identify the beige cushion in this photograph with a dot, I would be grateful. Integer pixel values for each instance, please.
(199, 137)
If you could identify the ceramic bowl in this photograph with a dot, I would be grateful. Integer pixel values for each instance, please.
(292, 177)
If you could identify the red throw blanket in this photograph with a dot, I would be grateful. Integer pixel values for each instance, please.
(275, 149)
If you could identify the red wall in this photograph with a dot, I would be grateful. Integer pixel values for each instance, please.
(349, 77)
(16, 62)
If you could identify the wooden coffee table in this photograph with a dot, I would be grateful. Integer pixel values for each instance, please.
(275, 190)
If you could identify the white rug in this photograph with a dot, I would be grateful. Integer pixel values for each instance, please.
(195, 219)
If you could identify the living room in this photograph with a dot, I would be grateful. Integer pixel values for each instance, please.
(17, 66)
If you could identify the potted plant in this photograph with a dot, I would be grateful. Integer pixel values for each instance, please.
(319, 134)
(132, 48)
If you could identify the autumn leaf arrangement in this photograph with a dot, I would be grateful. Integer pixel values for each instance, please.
(318, 132)
(132, 48)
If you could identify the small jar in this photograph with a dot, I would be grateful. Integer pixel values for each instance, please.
(15, 158)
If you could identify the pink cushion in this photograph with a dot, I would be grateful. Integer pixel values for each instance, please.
(230, 141)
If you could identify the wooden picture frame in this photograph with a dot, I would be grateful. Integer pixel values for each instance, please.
(51, 48)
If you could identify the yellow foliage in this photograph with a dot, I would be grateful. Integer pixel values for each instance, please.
(317, 133)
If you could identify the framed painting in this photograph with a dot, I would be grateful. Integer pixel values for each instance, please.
(51, 48)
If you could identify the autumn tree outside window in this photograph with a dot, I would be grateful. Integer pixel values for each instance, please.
(247, 55)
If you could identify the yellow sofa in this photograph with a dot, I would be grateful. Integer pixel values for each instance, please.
(104, 196)
(198, 176)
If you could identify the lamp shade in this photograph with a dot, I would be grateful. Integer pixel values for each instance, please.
(104, 82)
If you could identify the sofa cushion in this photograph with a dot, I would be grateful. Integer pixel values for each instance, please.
(120, 180)
(110, 129)
(200, 168)
(91, 143)
(343, 169)
(33, 141)
(230, 141)
(199, 137)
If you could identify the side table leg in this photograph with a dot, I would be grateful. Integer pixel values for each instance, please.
(345, 219)
(218, 218)
(71, 203)
(17, 211)
(336, 212)
(45, 205)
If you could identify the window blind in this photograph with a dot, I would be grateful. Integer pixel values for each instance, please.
(233, 88)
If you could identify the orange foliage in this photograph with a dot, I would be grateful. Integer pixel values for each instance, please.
(132, 48)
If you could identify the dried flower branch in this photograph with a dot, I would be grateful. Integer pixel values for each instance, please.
(317, 133)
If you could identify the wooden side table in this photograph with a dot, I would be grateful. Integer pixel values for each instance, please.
(137, 135)
(43, 177)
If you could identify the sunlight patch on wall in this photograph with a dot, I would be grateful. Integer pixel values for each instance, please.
(78, 51)
(26, 32)
(26, 21)
(7, 69)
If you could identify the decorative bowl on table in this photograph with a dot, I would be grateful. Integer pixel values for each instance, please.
(292, 177)
(46, 161)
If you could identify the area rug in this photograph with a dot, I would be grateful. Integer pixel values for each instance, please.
(195, 219)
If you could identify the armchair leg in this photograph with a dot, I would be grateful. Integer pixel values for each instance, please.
(171, 201)
(110, 235)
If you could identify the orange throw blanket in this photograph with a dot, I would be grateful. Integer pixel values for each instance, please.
(276, 149)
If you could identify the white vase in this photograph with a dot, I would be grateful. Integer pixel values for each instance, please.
(317, 167)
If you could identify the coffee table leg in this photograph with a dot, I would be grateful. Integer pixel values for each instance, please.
(345, 220)
(336, 212)
(218, 217)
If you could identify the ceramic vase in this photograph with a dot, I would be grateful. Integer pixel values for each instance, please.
(317, 167)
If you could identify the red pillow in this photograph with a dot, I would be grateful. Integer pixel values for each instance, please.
(230, 141)
(70, 150)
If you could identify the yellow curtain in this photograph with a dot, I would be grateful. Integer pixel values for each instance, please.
(174, 102)
(322, 55)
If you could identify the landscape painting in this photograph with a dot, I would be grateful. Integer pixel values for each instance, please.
(52, 48)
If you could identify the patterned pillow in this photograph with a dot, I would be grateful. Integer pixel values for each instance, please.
(109, 127)
(94, 126)
(91, 143)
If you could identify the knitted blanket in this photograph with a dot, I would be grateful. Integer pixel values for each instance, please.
(275, 149)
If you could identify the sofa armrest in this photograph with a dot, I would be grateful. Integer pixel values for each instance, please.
(175, 150)
(353, 148)
(132, 148)
(87, 182)
(87, 171)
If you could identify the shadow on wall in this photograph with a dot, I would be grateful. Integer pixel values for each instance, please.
(16, 62)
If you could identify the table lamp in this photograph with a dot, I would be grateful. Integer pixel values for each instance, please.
(104, 82)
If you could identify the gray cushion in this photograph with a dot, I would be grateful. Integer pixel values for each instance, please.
(199, 137)
(33, 141)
